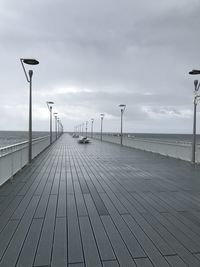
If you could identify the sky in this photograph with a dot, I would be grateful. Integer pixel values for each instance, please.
(95, 55)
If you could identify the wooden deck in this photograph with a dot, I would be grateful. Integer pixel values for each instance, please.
(101, 205)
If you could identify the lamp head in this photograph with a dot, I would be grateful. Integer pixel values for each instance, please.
(122, 106)
(194, 72)
(30, 61)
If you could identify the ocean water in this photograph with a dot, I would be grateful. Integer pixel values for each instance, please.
(13, 137)
(182, 138)
(174, 138)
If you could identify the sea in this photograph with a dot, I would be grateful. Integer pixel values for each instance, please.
(12, 137)
(174, 138)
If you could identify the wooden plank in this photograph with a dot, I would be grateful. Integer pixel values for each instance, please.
(123, 256)
(26, 257)
(105, 188)
(168, 198)
(143, 262)
(156, 205)
(128, 237)
(5, 216)
(185, 217)
(197, 256)
(97, 200)
(187, 231)
(43, 254)
(184, 239)
(8, 199)
(158, 241)
(70, 189)
(153, 253)
(83, 184)
(42, 206)
(103, 243)
(62, 200)
(2, 198)
(80, 203)
(25, 201)
(11, 254)
(174, 243)
(59, 254)
(176, 261)
(76, 265)
(110, 264)
(75, 253)
(55, 186)
(6, 236)
(91, 254)
(41, 185)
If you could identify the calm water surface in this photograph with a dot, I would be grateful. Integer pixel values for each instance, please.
(12, 137)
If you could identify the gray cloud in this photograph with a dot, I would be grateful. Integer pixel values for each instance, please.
(94, 55)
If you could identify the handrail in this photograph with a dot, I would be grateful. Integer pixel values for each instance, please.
(176, 149)
(158, 141)
(14, 147)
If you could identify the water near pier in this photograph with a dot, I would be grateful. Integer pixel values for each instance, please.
(172, 138)
(12, 137)
(182, 138)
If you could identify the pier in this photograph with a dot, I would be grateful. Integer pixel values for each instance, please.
(100, 204)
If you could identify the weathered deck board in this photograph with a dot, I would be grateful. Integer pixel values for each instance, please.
(101, 205)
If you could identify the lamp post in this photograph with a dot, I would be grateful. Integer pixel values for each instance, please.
(58, 127)
(86, 128)
(102, 116)
(196, 97)
(82, 129)
(92, 124)
(29, 61)
(122, 107)
(62, 128)
(55, 116)
(49, 105)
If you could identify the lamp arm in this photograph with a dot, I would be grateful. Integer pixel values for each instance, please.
(21, 60)
(48, 106)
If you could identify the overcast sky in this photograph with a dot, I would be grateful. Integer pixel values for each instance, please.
(95, 55)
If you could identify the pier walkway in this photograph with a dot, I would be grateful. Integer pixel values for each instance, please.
(101, 205)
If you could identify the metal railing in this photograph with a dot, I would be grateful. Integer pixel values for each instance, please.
(180, 150)
(15, 157)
